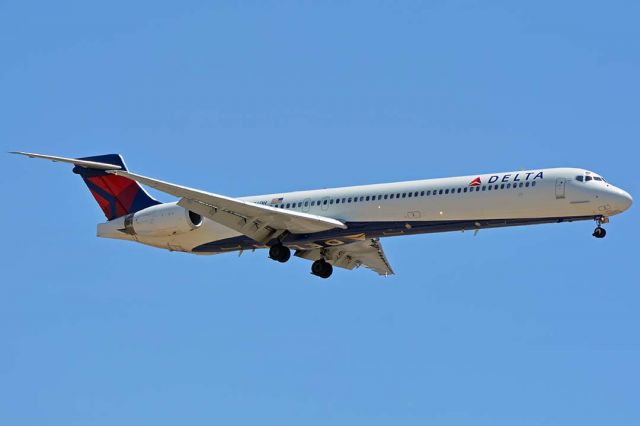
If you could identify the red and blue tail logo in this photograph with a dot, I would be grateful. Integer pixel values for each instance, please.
(475, 182)
(116, 195)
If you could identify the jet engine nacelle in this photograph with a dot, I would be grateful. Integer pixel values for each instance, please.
(162, 220)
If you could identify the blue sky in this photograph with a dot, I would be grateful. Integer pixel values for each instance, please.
(529, 326)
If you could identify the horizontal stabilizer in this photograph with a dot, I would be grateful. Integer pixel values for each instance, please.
(117, 196)
(77, 162)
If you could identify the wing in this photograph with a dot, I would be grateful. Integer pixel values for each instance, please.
(366, 253)
(259, 222)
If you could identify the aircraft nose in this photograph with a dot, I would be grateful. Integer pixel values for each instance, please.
(625, 199)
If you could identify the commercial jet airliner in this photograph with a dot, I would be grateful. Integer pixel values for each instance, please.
(339, 227)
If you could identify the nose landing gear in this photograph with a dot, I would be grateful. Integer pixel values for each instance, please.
(600, 232)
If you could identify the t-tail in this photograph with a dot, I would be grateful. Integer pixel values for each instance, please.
(116, 195)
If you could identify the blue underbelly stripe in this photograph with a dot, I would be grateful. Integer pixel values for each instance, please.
(359, 230)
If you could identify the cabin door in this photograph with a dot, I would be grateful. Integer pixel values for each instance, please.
(560, 188)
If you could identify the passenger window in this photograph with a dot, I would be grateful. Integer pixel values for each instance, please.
(367, 199)
(361, 198)
(325, 202)
(508, 185)
(344, 200)
(379, 197)
(288, 205)
(521, 184)
(313, 203)
(391, 196)
(489, 188)
(337, 200)
(410, 194)
(526, 184)
(464, 189)
(533, 183)
(422, 193)
(349, 199)
(306, 203)
(502, 186)
(397, 195)
(428, 193)
(484, 188)
(386, 196)
(580, 178)
(404, 195)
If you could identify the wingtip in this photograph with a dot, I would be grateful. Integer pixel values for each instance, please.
(26, 154)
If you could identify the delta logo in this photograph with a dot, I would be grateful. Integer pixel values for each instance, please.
(518, 177)
(475, 182)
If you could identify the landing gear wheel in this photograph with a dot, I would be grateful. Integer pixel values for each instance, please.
(280, 253)
(321, 268)
(599, 232)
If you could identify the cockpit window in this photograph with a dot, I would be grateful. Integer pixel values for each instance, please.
(597, 178)
(579, 178)
(587, 178)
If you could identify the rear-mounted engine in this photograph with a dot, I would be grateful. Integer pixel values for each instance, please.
(162, 220)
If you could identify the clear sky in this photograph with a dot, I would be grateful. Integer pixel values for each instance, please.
(528, 326)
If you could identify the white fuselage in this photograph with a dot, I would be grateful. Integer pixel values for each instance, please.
(432, 205)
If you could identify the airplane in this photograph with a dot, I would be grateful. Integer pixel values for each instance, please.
(338, 227)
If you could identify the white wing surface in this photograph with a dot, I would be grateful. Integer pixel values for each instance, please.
(259, 222)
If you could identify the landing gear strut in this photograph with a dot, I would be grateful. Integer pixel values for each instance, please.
(280, 253)
(600, 232)
(321, 268)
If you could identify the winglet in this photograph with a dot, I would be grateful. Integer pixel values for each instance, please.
(81, 163)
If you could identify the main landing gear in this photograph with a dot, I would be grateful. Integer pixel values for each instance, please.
(321, 268)
(280, 253)
(600, 232)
